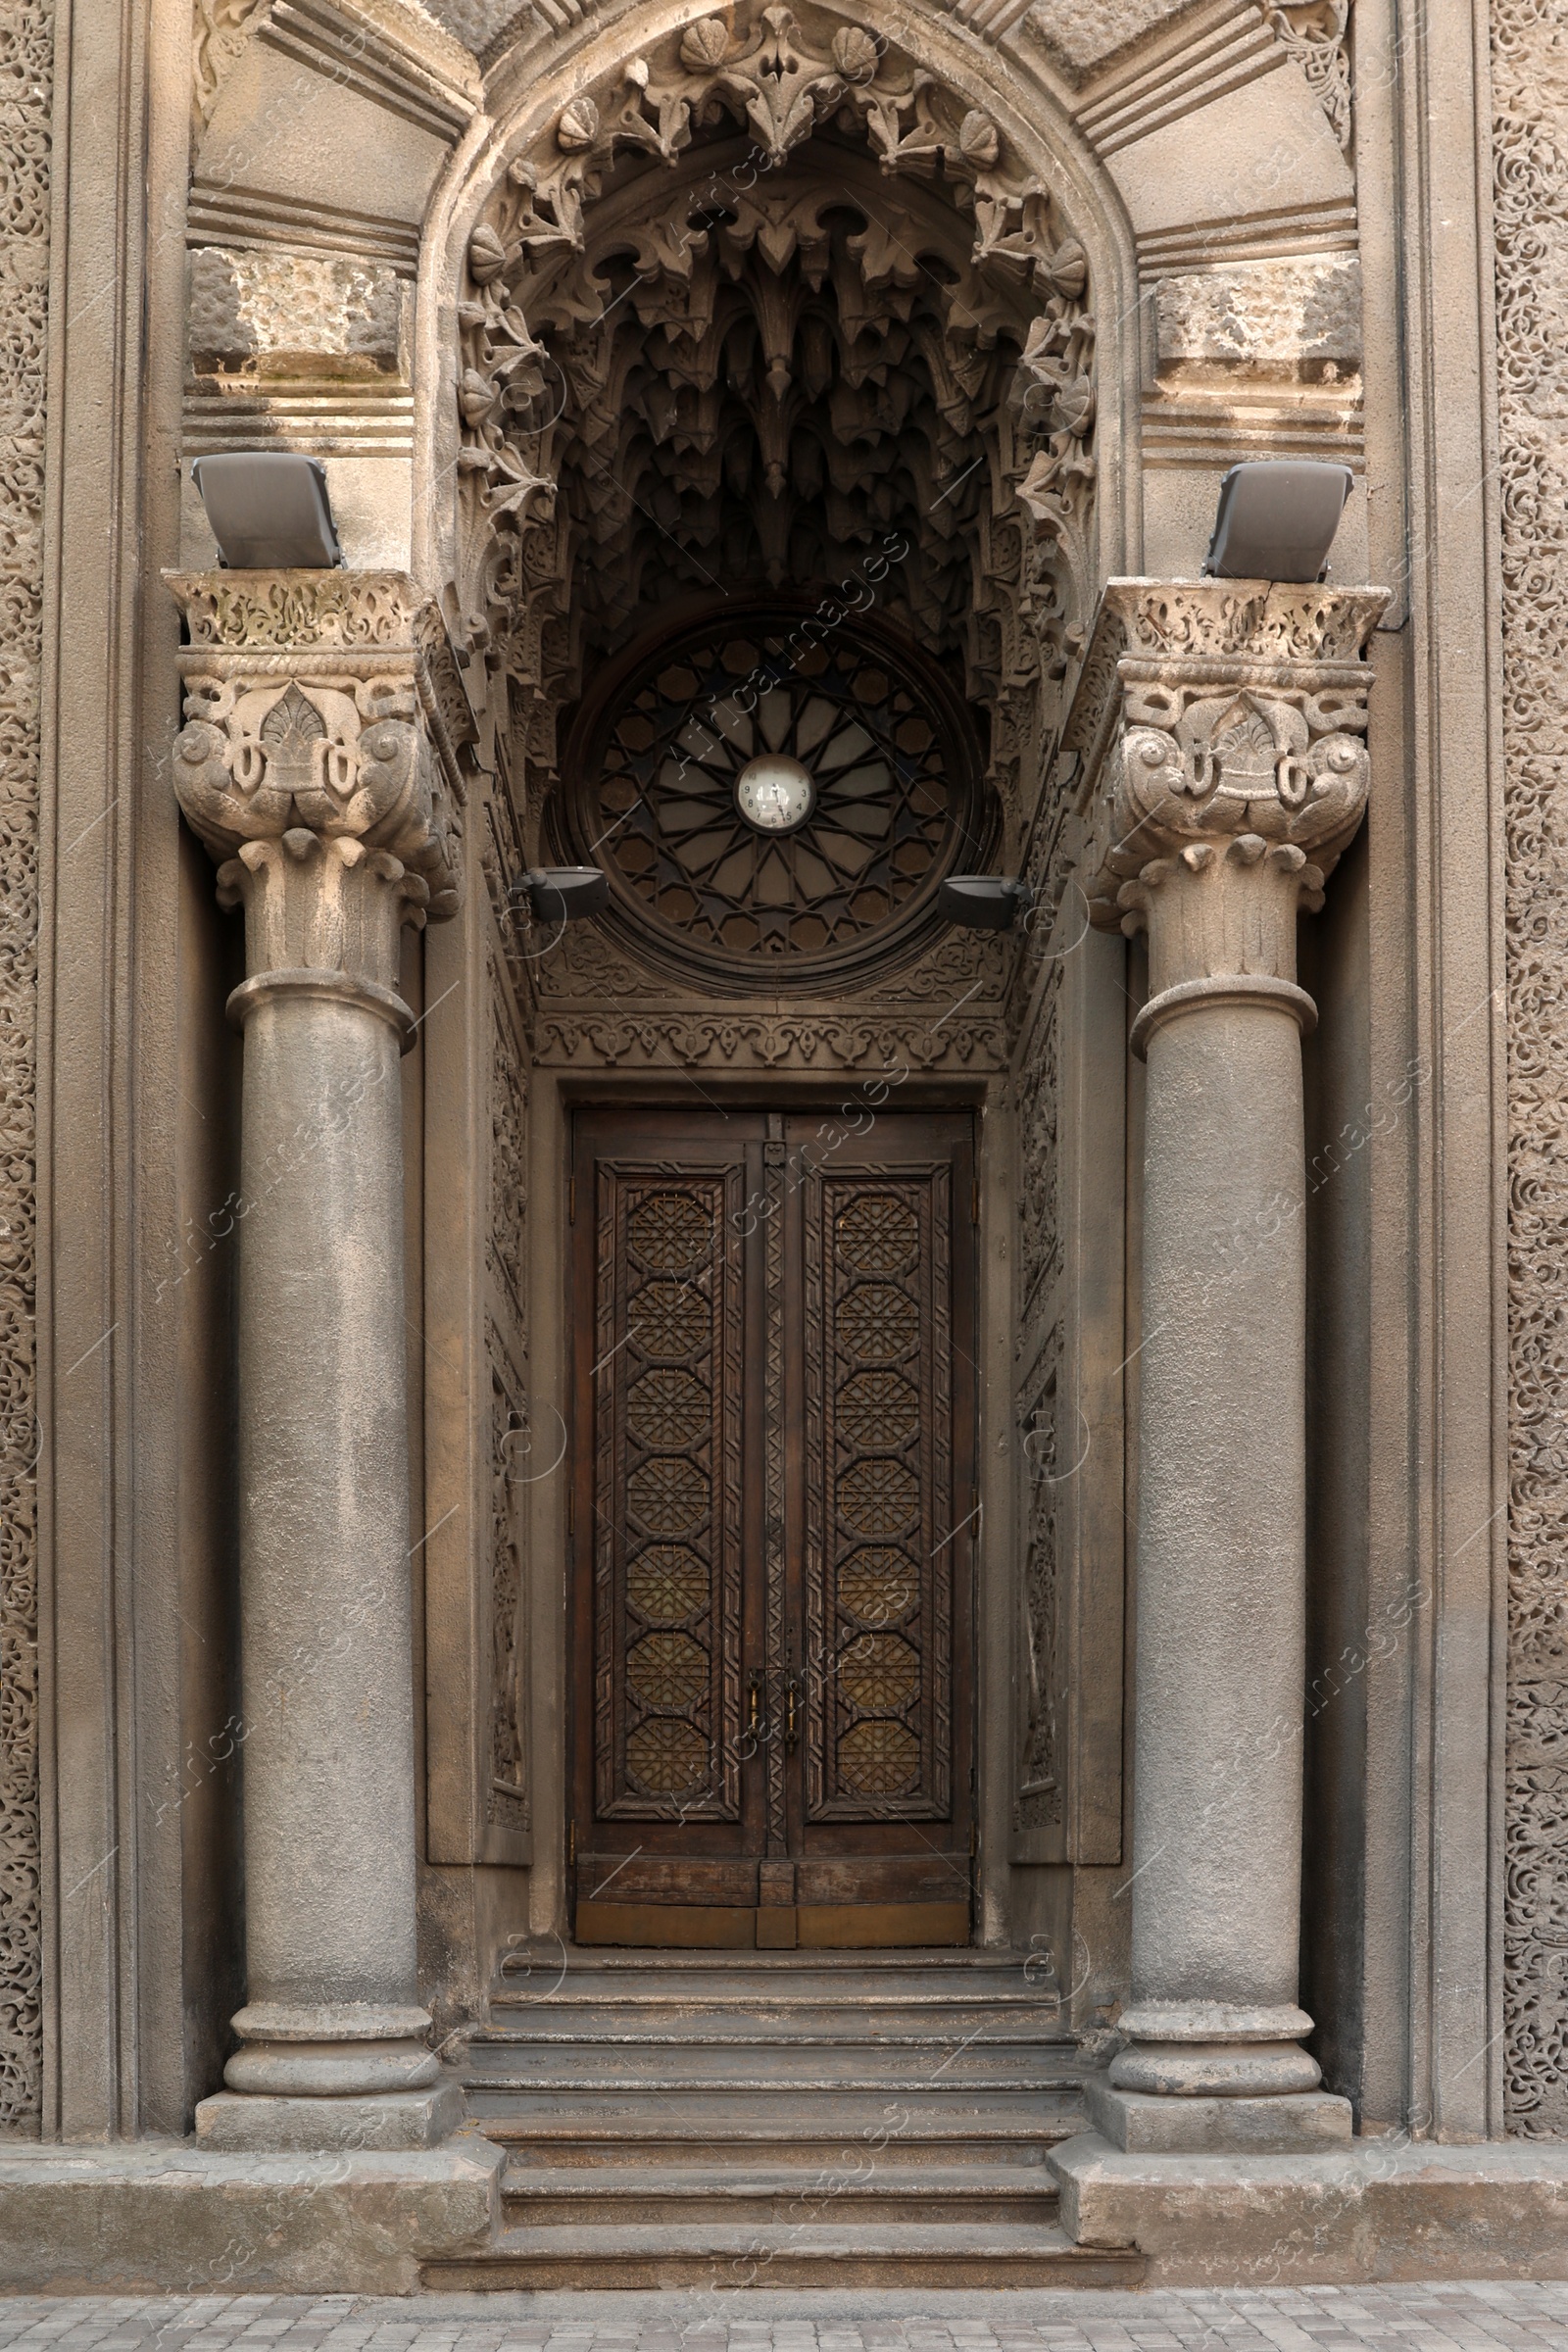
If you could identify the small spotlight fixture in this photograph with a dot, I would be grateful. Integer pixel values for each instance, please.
(1277, 518)
(984, 901)
(561, 893)
(269, 511)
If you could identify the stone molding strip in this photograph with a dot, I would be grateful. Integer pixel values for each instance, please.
(1228, 988)
(1328, 226)
(348, 988)
(435, 84)
(1233, 50)
(221, 214)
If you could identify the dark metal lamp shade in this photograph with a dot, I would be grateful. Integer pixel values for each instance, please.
(984, 901)
(560, 893)
(1277, 518)
(269, 511)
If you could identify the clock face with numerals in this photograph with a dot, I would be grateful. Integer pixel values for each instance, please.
(775, 794)
(772, 805)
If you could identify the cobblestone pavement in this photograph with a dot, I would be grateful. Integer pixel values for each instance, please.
(1422, 2318)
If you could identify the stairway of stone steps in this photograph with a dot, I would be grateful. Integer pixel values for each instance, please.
(776, 2119)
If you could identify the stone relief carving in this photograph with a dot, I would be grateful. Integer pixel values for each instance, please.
(877, 1038)
(1037, 1789)
(572, 384)
(1036, 1792)
(25, 159)
(1532, 263)
(1225, 724)
(1314, 32)
(507, 1802)
(320, 707)
(509, 1129)
(220, 29)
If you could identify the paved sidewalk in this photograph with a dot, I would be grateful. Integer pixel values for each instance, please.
(1320, 2319)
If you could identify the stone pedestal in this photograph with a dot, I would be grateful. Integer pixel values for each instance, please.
(318, 765)
(1227, 775)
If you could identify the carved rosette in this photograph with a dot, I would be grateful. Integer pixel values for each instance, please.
(318, 763)
(1224, 726)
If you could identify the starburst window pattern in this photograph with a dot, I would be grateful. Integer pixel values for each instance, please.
(895, 797)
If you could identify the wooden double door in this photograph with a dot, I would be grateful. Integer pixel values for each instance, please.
(773, 1525)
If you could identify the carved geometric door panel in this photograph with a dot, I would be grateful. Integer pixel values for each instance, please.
(879, 1510)
(773, 1524)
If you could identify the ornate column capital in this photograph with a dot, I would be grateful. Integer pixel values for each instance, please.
(322, 702)
(324, 711)
(1219, 727)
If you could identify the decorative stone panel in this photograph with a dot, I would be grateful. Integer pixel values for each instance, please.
(1530, 78)
(27, 49)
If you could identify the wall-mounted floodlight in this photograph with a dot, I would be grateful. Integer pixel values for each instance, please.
(269, 511)
(561, 893)
(984, 901)
(1277, 519)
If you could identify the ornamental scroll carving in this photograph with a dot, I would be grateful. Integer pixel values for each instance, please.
(25, 162)
(1225, 727)
(1532, 266)
(1314, 33)
(320, 758)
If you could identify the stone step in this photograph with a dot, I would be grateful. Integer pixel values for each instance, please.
(816, 2021)
(588, 2128)
(854, 2186)
(770, 2068)
(971, 1960)
(884, 2253)
(775, 1981)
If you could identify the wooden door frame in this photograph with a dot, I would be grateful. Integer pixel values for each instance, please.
(558, 1094)
(684, 1880)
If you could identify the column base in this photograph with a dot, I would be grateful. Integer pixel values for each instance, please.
(1139, 2123)
(254, 2122)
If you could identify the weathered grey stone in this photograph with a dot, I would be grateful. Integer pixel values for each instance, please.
(1145, 2124)
(246, 2120)
(265, 313)
(189, 2220)
(1287, 316)
(1387, 2208)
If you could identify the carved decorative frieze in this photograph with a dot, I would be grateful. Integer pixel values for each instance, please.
(324, 715)
(879, 1040)
(25, 164)
(220, 29)
(1532, 262)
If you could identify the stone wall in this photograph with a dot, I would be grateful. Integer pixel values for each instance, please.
(1529, 70)
(26, 64)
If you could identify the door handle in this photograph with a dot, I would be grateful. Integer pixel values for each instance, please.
(791, 1690)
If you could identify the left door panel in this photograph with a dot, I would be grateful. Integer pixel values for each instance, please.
(664, 1485)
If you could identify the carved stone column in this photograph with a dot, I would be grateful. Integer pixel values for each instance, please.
(1226, 772)
(318, 764)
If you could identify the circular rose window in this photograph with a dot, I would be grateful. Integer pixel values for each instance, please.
(775, 803)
